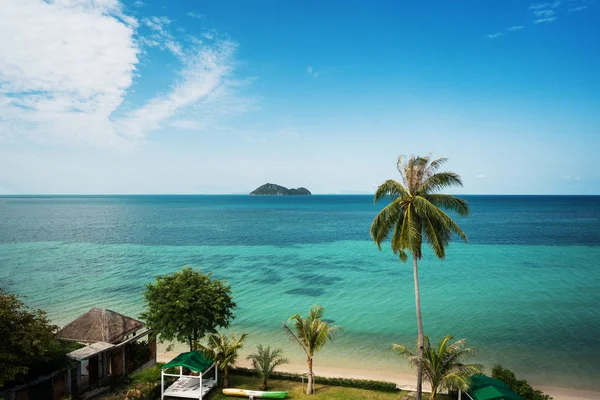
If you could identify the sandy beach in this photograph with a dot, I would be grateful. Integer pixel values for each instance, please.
(403, 380)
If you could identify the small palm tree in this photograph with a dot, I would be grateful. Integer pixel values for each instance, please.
(443, 366)
(265, 361)
(223, 351)
(415, 215)
(311, 333)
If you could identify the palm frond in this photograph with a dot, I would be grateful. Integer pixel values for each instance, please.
(221, 349)
(437, 217)
(449, 202)
(391, 189)
(311, 333)
(293, 336)
(442, 365)
(415, 213)
(385, 221)
(434, 166)
(438, 181)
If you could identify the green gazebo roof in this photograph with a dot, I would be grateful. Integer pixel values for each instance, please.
(193, 360)
(486, 388)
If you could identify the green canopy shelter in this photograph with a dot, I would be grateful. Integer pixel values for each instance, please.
(189, 386)
(486, 388)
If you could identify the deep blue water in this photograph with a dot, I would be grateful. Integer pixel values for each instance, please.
(280, 221)
(525, 290)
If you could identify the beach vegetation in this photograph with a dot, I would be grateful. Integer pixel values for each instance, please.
(187, 305)
(444, 365)
(28, 338)
(366, 384)
(264, 362)
(415, 215)
(148, 378)
(519, 386)
(312, 333)
(224, 351)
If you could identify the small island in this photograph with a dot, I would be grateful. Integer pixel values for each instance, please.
(271, 189)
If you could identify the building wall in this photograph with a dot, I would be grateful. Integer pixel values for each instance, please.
(152, 342)
(116, 362)
(60, 386)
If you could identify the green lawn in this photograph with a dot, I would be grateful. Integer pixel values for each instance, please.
(295, 389)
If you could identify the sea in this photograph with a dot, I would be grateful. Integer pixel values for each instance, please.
(524, 291)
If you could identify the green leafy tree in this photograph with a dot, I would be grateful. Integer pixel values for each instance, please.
(27, 337)
(414, 215)
(443, 365)
(312, 334)
(519, 386)
(265, 361)
(187, 305)
(224, 351)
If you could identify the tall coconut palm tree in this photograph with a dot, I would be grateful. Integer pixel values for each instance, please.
(265, 361)
(443, 366)
(223, 350)
(311, 333)
(415, 215)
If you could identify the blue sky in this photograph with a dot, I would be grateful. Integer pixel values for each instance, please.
(111, 96)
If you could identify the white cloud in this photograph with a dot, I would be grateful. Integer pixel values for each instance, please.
(193, 14)
(544, 13)
(542, 20)
(67, 65)
(481, 176)
(310, 70)
(64, 66)
(578, 8)
(515, 28)
(187, 124)
(539, 6)
(160, 36)
(205, 79)
(495, 35)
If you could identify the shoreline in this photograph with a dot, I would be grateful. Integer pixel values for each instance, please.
(405, 381)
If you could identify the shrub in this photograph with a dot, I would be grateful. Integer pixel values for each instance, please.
(149, 377)
(344, 382)
(519, 386)
(140, 353)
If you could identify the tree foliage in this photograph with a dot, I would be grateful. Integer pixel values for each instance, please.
(443, 365)
(519, 386)
(415, 211)
(265, 361)
(223, 351)
(26, 338)
(312, 334)
(414, 215)
(187, 305)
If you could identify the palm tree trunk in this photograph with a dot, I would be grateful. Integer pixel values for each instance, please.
(225, 378)
(419, 328)
(309, 386)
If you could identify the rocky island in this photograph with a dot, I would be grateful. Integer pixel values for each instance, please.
(271, 189)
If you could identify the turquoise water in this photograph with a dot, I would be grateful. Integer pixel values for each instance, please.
(524, 291)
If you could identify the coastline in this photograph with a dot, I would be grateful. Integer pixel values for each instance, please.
(404, 380)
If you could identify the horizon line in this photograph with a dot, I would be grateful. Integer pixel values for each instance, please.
(249, 195)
